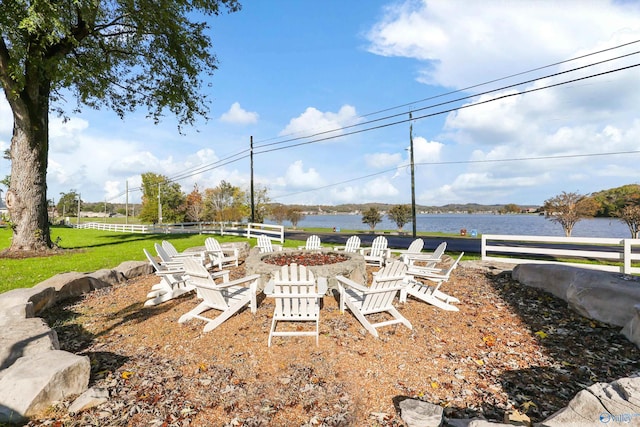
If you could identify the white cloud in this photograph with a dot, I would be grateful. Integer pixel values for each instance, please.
(383, 160)
(238, 115)
(379, 189)
(298, 178)
(313, 121)
(461, 42)
(426, 151)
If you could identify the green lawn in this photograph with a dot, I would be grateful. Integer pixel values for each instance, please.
(90, 250)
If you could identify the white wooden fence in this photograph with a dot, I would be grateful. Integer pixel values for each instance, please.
(618, 251)
(124, 228)
(274, 232)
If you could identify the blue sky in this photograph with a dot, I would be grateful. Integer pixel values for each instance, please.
(292, 68)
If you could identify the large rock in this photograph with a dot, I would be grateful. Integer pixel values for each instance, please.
(33, 382)
(24, 338)
(600, 295)
(40, 298)
(33, 371)
(601, 404)
(131, 269)
(417, 413)
(632, 329)
(67, 285)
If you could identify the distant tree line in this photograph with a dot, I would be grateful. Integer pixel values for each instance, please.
(623, 203)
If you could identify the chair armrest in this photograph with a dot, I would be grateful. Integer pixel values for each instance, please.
(390, 278)
(268, 290)
(222, 273)
(339, 248)
(323, 285)
(253, 277)
(350, 283)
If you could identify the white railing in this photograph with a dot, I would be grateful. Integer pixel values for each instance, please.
(274, 232)
(587, 248)
(124, 228)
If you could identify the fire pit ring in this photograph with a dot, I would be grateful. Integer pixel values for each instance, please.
(352, 267)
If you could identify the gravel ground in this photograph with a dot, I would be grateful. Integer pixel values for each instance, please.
(509, 347)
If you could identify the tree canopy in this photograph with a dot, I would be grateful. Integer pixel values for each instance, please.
(371, 217)
(568, 208)
(117, 54)
(400, 214)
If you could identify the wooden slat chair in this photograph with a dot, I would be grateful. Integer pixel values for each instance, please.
(378, 298)
(174, 254)
(265, 246)
(378, 253)
(227, 297)
(352, 245)
(426, 260)
(297, 299)
(222, 257)
(312, 244)
(172, 282)
(431, 294)
(414, 248)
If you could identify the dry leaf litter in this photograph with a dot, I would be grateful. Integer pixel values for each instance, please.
(509, 347)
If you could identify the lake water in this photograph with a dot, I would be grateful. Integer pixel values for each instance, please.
(531, 225)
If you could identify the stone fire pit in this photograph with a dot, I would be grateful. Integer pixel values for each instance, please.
(353, 267)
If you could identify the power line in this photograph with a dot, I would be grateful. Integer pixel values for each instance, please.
(450, 109)
(457, 162)
(238, 156)
(466, 89)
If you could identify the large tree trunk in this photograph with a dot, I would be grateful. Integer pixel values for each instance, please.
(27, 194)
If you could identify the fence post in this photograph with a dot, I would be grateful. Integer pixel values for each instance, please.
(627, 256)
(483, 247)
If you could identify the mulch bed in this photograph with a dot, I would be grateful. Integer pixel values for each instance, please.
(509, 347)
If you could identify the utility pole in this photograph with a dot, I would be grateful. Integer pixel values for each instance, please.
(159, 206)
(253, 206)
(126, 202)
(413, 180)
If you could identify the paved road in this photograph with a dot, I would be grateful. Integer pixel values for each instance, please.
(454, 244)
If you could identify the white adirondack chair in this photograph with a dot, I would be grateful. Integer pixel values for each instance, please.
(378, 253)
(227, 297)
(312, 244)
(414, 248)
(352, 245)
(297, 299)
(265, 245)
(431, 293)
(172, 282)
(377, 298)
(425, 260)
(174, 254)
(222, 257)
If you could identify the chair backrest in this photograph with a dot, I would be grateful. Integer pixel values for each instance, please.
(416, 246)
(162, 253)
(391, 277)
(152, 260)
(295, 292)
(313, 242)
(212, 245)
(169, 248)
(353, 244)
(198, 276)
(379, 246)
(264, 244)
